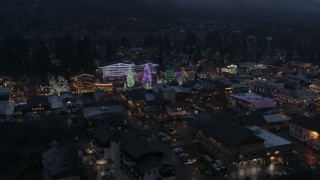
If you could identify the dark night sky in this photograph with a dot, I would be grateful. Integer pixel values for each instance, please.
(303, 5)
(38, 13)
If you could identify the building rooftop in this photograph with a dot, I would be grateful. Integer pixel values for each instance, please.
(90, 112)
(251, 97)
(270, 139)
(312, 124)
(220, 126)
(272, 118)
(137, 146)
(148, 163)
(57, 160)
(6, 90)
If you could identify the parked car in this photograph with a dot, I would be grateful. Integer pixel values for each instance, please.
(174, 132)
(177, 150)
(190, 161)
(182, 155)
(206, 159)
(218, 162)
(165, 138)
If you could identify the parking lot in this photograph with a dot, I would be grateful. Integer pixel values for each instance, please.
(183, 150)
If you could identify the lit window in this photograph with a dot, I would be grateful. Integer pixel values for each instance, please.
(276, 152)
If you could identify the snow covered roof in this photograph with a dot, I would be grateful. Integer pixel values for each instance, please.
(55, 102)
(249, 64)
(272, 118)
(97, 111)
(6, 90)
(251, 97)
(239, 85)
(7, 108)
(270, 139)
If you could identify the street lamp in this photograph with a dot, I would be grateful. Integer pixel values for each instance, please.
(313, 161)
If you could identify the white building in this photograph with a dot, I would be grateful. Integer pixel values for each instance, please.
(119, 71)
(273, 144)
(306, 130)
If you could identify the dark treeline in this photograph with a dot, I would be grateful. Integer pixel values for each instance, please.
(67, 54)
(36, 15)
(71, 54)
(20, 55)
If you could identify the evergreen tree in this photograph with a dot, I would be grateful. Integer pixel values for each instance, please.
(147, 79)
(169, 75)
(130, 78)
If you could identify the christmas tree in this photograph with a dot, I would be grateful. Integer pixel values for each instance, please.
(130, 79)
(169, 75)
(147, 79)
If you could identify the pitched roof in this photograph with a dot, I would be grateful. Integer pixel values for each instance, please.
(34, 101)
(137, 146)
(148, 163)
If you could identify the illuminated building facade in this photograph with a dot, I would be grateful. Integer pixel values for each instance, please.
(315, 87)
(306, 130)
(86, 83)
(119, 71)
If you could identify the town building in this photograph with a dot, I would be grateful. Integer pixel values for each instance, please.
(306, 129)
(119, 71)
(60, 163)
(237, 146)
(86, 83)
(274, 146)
(132, 152)
(270, 122)
(252, 101)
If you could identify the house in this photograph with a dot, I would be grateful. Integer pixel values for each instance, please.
(35, 105)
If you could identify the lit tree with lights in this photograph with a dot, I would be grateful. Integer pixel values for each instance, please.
(58, 85)
(147, 79)
(130, 78)
(169, 75)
